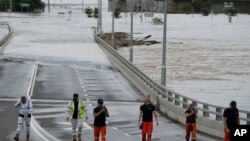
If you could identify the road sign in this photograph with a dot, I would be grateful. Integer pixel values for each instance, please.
(24, 5)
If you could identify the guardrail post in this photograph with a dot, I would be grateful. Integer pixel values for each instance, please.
(248, 118)
(9, 28)
(164, 95)
(195, 103)
(205, 114)
(218, 115)
(170, 97)
(185, 103)
(177, 97)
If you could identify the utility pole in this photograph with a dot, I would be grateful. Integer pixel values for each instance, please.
(113, 22)
(141, 10)
(100, 18)
(82, 6)
(61, 4)
(163, 67)
(131, 38)
(137, 4)
(48, 6)
(10, 5)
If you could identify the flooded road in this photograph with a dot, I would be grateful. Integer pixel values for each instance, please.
(68, 61)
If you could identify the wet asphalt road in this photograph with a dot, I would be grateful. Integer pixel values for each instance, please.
(15, 78)
(58, 78)
(54, 86)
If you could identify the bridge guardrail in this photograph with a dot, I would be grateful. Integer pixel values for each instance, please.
(169, 102)
(6, 36)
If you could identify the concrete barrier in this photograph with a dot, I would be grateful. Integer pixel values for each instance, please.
(171, 103)
(6, 36)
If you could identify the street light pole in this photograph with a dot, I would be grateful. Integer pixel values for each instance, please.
(141, 10)
(100, 18)
(48, 6)
(113, 22)
(10, 5)
(137, 6)
(82, 6)
(131, 38)
(163, 67)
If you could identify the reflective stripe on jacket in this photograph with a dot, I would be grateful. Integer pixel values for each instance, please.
(81, 109)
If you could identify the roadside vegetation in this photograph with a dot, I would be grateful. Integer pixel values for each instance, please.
(22, 5)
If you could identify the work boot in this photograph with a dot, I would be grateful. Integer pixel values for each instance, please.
(79, 137)
(16, 138)
(74, 138)
(27, 137)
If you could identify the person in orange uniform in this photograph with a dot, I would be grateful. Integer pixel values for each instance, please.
(230, 119)
(191, 116)
(100, 114)
(147, 110)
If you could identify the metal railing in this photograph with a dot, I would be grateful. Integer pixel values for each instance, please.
(6, 36)
(205, 110)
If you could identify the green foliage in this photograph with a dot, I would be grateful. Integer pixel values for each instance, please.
(158, 104)
(202, 6)
(176, 120)
(89, 12)
(215, 12)
(205, 11)
(197, 5)
(96, 12)
(186, 9)
(117, 12)
(230, 11)
(4, 4)
(34, 4)
(157, 21)
(230, 18)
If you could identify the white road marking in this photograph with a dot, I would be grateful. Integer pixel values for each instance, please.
(79, 77)
(41, 132)
(35, 126)
(76, 70)
(126, 134)
(8, 99)
(87, 126)
(115, 128)
(51, 115)
(32, 81)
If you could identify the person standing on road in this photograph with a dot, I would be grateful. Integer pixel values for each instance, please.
(24, 117)
(76, 113)
(100, 114)
(230, 119)
(191, 116)
(147, 110)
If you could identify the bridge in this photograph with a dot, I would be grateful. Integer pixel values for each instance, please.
(51, 81)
